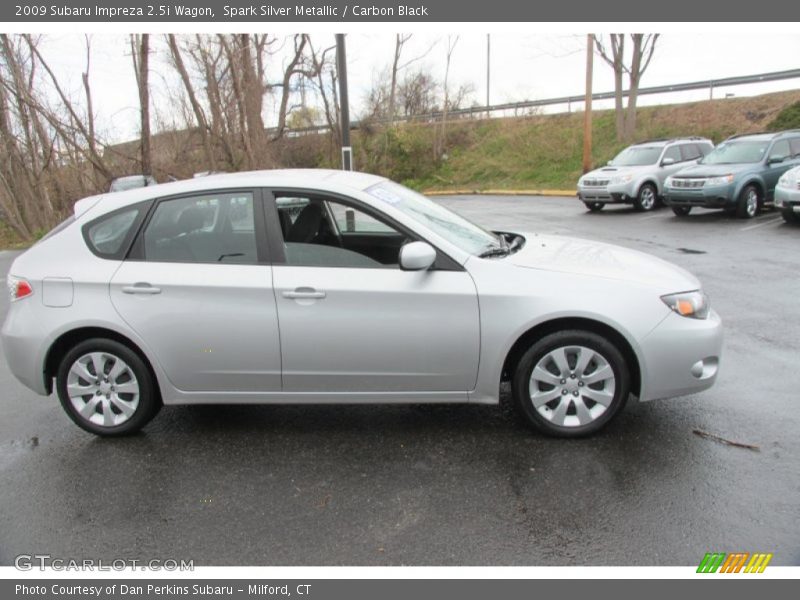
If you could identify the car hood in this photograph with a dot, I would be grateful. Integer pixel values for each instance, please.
(598, 259)
(611, 171)
(714, 170)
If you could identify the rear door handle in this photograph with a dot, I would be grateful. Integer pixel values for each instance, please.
(304, 294)
(141, 288)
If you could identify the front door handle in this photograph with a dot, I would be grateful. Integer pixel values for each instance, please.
(304, 293)
(141, 288)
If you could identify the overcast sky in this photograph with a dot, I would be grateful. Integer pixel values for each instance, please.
(523, 67)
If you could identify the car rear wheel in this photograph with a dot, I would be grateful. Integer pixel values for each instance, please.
(681, 211)
(106, 388)
(570, 383)
(749, 202)
(790, 216)
(647, 198)
(594, 206)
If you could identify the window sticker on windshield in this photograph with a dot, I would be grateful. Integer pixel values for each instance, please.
(382, 193)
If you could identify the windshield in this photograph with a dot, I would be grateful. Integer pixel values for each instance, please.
(637, 156)
(736, 152)
(455, 229)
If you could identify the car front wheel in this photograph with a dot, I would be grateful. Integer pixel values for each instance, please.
(647, 198)
(570, 383)
(749, 203)
(681, 211)
(790, 216)
(106, 388)
(594, 206)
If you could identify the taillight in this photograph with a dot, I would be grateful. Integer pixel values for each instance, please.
(18, 288)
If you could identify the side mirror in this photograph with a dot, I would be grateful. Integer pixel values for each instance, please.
(774, 160)
(417, 256)
(667, 162)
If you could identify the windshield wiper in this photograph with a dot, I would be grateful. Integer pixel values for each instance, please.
(494, 251)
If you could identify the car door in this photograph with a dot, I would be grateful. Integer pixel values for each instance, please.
(197, 288)
(674, 153)
(773, 171)
(351, 320)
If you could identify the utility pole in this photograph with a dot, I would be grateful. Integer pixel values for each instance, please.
(587, 109)
(488, 66)
(344, 116)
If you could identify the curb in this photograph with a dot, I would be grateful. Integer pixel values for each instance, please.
(464, 192)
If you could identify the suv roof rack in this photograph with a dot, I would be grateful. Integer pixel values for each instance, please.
(670, 140)
(739, 135)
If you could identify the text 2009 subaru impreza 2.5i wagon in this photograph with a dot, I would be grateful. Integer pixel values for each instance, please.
(334, 287)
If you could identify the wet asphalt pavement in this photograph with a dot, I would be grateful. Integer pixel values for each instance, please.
(450, 485)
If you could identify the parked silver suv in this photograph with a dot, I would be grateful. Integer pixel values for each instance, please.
(637, 174)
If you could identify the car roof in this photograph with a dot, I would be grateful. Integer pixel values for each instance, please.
(289, 178)
(658, 143)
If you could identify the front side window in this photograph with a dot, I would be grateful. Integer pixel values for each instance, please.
(691, 151)
(794, 146)
(107, 235)
(673, 152)
(780, 149)
(319, 231)
(210, 228)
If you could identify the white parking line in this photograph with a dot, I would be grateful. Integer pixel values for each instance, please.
(770, 222)
(648, 217)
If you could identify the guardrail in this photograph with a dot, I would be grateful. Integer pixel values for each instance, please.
(708, 84)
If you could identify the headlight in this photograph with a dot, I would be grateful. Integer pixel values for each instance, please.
(694, 305)
(622, 179)
(722, 180)
(668, 182)
(787, 179)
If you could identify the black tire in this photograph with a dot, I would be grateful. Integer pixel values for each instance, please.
(746, 206)
(149, 400)
(595, 206)
(681, 211)
(790, 216)
(569, 340)
(646, 198)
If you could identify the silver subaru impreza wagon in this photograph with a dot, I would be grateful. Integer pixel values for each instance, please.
(314, 286)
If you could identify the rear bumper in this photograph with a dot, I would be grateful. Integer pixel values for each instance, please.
(681, 356)
(23, 344)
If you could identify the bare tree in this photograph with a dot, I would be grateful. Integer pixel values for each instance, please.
(397, 66)
(140, 52)
(642, 49)
(441, 145)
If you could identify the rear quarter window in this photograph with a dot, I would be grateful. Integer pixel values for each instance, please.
(110, 235)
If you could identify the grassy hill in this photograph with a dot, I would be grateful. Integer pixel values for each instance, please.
(545, 151)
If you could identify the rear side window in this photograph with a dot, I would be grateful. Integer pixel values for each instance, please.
(795, 145)
(110, 235)
(209, 228)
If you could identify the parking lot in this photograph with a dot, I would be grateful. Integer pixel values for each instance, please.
(450, 485)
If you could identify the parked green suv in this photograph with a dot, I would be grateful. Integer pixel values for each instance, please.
(739, 175)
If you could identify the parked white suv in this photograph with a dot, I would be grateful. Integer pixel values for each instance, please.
(637, 174)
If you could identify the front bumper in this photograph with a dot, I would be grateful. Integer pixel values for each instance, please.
(681, 356)
(608, 194)
(719, 196)
(787, 198)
